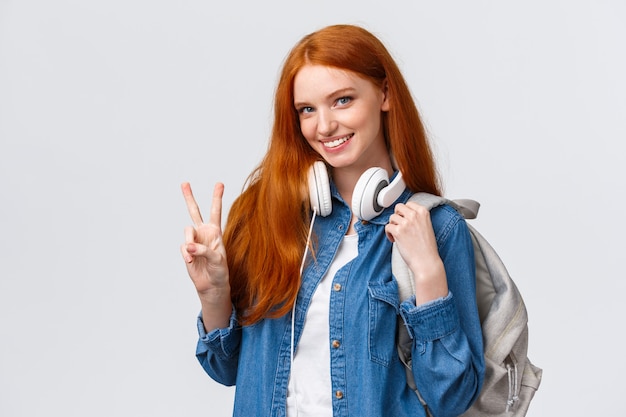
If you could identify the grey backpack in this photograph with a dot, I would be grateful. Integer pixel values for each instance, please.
(511, 380)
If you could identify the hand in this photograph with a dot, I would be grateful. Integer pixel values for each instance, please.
(412, 231)
(203, 251)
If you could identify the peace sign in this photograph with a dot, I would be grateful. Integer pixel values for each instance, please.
(203, 251)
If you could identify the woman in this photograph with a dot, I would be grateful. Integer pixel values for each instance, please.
(304, 324)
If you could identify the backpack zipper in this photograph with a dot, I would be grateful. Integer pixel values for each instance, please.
(511, 369)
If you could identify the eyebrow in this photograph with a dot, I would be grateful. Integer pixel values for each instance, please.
(339, 92)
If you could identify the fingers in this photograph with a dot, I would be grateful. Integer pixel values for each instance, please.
(216, 205)
(190, 235)
(389, 234)
(192, 206)
(406, 217)
(410, 208)
(192, 249)
(194, 210)
(188, 248)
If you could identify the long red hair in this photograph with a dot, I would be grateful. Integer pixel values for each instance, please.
(267, 226)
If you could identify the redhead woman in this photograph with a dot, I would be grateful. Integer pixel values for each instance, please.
(299, 304)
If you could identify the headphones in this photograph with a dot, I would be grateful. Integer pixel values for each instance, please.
(372, 192)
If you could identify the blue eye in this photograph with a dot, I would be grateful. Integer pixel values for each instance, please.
(305, 110)
(342, 101)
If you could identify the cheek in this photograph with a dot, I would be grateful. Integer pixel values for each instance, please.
(372, 121)
(307, 127)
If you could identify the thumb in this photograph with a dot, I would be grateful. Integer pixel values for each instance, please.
(389, 235)
(197, 250)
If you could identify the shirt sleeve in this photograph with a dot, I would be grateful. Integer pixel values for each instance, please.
(446, 333)
(218, 350)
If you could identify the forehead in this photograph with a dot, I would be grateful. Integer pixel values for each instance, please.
(320, 80)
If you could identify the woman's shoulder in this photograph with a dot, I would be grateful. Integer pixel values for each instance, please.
(446, 220)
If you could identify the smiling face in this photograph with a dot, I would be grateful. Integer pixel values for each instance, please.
(341, 117)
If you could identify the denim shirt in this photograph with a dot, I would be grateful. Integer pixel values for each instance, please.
(368, 378)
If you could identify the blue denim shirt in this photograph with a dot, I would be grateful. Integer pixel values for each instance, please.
(367, 377)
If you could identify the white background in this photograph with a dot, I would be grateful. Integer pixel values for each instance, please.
(106, 107)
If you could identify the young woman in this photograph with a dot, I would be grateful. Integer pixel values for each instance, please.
(299, 305)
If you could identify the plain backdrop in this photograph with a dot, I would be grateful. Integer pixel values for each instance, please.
(107, 106)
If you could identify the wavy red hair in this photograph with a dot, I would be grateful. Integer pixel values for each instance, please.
(267, 226)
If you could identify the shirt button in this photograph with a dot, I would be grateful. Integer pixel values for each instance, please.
(338, 395)
(336, 343)
(364, 222)
(337, 287)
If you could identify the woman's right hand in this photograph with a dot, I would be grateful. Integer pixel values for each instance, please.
(203, 251)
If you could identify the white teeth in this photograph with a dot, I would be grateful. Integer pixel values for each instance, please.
(336, 143)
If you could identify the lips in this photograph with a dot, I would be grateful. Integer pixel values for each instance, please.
(334, 143)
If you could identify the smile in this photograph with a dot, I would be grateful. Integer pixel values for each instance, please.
(337, 142)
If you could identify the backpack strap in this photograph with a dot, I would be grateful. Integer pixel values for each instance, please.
(468, 208)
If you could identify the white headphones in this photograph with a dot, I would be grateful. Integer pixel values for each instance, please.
(372, 192)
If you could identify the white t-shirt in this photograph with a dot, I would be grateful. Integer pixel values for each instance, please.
(310, 392)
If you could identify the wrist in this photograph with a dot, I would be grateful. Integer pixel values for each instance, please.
(216, 307)
(430, 282)
(215, 295)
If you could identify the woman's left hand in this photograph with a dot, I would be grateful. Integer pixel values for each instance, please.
(411, 229)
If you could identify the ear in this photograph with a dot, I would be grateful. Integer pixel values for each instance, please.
(385, 103)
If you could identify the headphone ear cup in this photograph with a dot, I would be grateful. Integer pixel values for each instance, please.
(365, 195)
(319, 189)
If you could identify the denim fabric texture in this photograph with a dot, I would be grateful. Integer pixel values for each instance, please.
(367, 376)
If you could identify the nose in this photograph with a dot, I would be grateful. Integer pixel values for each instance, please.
(326, 123)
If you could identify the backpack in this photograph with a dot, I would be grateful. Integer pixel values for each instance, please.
(510, 380)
